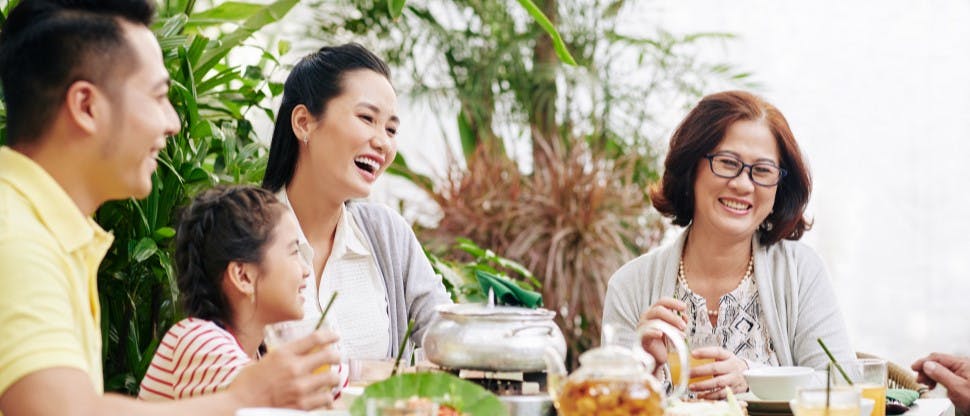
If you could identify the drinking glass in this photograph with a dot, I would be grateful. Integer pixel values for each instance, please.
(674, 362)
(819, 401)
(869, 377)
(675, 371)
(275, 335)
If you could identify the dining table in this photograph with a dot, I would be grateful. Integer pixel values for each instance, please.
(932, 407)
(922, 407)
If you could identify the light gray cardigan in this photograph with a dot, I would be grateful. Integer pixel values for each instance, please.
(413, 288)
(797, 299)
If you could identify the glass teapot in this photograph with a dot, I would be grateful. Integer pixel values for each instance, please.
(614, 380)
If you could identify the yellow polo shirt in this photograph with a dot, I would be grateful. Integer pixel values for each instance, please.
(49, 257)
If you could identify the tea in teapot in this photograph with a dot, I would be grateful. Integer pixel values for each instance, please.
(614, 380)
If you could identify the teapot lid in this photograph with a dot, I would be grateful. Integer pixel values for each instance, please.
(468, 310)
(614, 355)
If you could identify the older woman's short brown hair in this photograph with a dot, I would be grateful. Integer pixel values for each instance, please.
(701, 131)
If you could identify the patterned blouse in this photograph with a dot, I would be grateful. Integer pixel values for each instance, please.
(740, 324)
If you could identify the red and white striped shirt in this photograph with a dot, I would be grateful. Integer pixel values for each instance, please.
(195, 357)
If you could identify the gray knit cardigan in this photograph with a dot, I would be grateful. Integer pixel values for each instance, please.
(797, 300)
(413, 289)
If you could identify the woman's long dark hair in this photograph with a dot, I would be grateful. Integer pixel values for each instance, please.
(221, 225)
(314, 81)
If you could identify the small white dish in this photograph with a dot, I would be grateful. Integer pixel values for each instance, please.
(778, 383)
(758, 405)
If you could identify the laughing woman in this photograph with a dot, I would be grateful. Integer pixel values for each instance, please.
(736, 281)
(334, 137)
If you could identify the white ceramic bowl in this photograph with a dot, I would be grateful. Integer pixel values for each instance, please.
(778, 383)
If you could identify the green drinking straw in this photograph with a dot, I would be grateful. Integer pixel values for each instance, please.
(837, 366)
(326, 309)
(400, 351)
(828, 384)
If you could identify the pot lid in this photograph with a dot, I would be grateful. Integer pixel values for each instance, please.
(610, 355)
(479, 310)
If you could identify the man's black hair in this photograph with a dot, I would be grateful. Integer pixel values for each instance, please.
(47, 45)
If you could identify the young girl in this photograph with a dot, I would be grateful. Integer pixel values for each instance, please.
(239, 268)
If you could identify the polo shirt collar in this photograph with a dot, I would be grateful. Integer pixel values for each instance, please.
(51, 203)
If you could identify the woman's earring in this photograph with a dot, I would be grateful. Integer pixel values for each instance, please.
(306, 139)
(767, 225)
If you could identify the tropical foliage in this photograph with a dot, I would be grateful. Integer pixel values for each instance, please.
(459, 276)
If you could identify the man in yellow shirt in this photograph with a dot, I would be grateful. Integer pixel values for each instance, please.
(87, 113)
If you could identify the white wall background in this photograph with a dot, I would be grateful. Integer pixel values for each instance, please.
(878, 95)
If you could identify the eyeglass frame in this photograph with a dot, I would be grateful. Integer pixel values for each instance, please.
(782, 172)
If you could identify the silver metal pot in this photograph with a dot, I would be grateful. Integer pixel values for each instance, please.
(497, 338)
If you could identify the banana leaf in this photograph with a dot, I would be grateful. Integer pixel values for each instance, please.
(464, 396)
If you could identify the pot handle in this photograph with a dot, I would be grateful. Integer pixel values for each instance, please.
(515, 331)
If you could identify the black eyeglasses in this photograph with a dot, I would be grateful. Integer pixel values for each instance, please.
(762, 173)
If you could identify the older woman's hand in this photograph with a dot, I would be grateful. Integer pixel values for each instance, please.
(668, 310)
(726, 371)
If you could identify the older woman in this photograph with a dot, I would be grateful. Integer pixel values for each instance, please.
(736, 281)
(334, 137)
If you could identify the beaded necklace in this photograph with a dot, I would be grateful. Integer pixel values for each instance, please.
(681, 276)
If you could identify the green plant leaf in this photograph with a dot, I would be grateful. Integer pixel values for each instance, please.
(465, 396)
(450, 274)
(268, 14)
(230, 11)
(171, 26)
(469, 140)
(283, 46)
(561, 51)
(147, 356)
(172, 42)
(145, 248)
(164, 233)
(275, 88)
(395, 8)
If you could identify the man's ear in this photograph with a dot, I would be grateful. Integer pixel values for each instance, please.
(85, 103)
(242, 277)
(302, 122)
